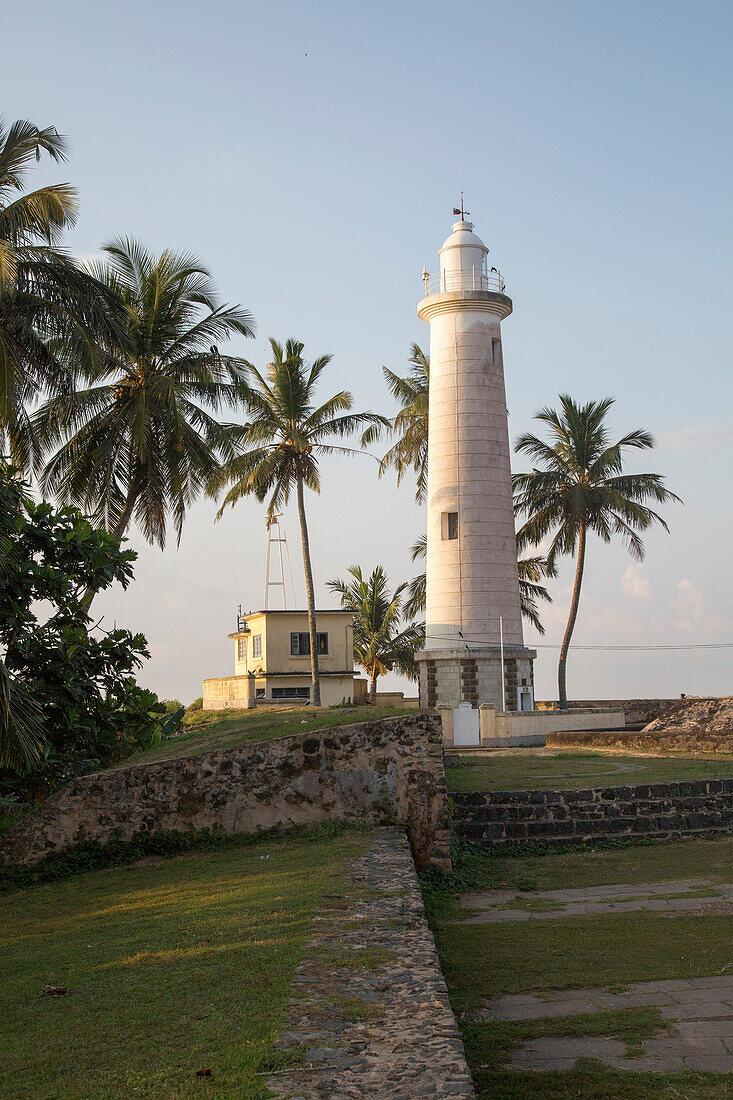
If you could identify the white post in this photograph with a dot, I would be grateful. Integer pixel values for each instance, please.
(282, 568)
(503, 679)
(267, 567)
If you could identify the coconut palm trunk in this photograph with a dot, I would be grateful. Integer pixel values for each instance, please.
(118, 531)
(124, 521)
(562, 664)
(373, 689)
(315, 674)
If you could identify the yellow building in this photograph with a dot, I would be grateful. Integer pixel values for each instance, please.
(272, 648)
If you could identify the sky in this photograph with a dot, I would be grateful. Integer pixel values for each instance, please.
(311, 155)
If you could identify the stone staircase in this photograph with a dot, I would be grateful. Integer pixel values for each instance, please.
(644, 811)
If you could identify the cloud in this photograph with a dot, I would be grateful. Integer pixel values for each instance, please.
(697, 437)
(635, 583)
(688, 607)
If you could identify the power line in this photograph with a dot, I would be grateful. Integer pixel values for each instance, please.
(637, 648)
(604, 648)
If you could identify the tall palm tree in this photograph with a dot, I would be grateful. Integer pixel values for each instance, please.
(579, 485)
(380, 645)
(48, 303)
(279, 448)
(140, 440)
(531, 571)
(410, 452)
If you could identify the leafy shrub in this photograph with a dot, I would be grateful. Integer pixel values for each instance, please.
(75, 680)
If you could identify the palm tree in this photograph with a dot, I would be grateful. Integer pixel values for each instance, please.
(410, 452)
(48, 303)
(531, 572)
(379, 643)
(21, 725)
(281, 444)
(579, 485)
(140, 440)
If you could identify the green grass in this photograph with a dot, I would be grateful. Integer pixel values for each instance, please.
(590, 1081)
(564, 770)
(228, 729)
(484, 960)
(530, 904)
(481, 962)
(493, 1040)
(174, 965)
(655, 861)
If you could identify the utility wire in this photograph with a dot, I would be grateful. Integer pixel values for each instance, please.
(637, 648)
(606, 648)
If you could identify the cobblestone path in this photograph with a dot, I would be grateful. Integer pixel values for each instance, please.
(370, 1015)
(664, 898)
(701, 1036)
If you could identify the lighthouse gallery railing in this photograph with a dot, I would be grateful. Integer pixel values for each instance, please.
(447, 281)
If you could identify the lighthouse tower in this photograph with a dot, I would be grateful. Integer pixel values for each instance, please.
(473, 615)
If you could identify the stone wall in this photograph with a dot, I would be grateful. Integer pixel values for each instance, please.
(638, 711)
(390, 769)
(657, 810)
(654, 741)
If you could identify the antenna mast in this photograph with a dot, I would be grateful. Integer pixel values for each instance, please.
(278, 537)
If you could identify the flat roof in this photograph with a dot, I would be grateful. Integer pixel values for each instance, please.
(299, 611)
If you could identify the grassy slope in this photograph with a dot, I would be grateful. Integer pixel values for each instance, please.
(483, 961)
(228, 729)
(175, 965)
(581, 769)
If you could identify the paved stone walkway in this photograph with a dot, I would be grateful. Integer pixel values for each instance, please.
(701, 1036)
(370, 1015)
(662, 898)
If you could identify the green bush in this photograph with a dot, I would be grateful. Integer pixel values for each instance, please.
(78, 705)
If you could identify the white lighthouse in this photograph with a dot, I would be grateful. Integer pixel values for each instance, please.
(473, 616)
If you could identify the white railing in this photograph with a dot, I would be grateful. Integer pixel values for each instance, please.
(448, 281)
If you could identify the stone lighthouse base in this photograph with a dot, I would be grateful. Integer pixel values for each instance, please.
(449, 677)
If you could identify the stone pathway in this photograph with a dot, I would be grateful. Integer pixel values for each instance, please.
(701, 1036)
(370, 1015)
(663, 898)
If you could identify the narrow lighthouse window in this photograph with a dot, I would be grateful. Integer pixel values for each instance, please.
(496, 352)
(449, 525)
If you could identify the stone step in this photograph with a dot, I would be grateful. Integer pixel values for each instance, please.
(588, 837)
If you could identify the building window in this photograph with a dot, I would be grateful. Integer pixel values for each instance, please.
(256, 645)
(291, 693)
(259, 693)
(300, 644)
(496, 352)
(449, 525)
(241, 649)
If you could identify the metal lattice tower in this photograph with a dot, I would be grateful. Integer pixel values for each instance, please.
(279, 538)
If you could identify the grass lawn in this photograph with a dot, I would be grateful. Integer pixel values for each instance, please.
(530, 770)
(485, 961)
(174, 965)
(227, 729)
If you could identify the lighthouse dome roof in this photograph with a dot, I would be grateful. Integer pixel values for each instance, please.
(462, 236)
